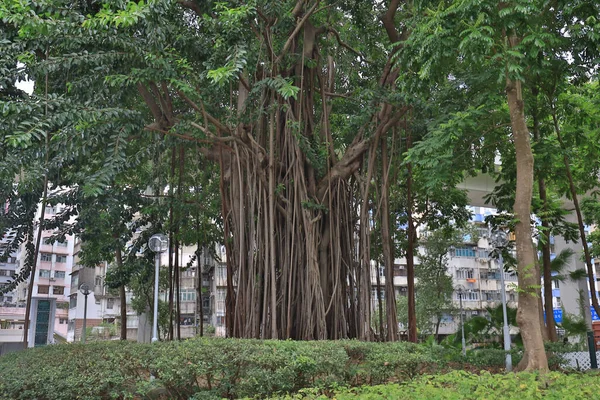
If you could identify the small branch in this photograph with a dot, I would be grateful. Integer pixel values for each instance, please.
(214, 140)
(212, 119)
(345, 45)
(299, 26)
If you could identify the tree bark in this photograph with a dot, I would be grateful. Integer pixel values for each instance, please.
(122, 294)
(527, 313)
(34, 257)
(410, 251)
(547, 267)
(387, 244)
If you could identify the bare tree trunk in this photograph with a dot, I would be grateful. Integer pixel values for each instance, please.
(534, 357)
(199, 303)
(581, 225)
(33, 258)
(379, 304)
(176, 269)
(546, 266)
(538, 294)
(546, 263)
(410, 252)
(122, 294)
(171, 245)
(387, 244)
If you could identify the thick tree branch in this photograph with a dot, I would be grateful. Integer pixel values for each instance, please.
(191, 5)
(152, 104)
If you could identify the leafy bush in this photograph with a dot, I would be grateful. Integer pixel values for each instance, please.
(208, 368)
(463, 385)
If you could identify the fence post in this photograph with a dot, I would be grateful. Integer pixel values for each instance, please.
(592, 349)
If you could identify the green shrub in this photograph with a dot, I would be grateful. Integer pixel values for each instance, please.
(462, 385)
(208, 368)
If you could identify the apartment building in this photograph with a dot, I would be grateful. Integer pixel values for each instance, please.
(104, 305)
(52, 277)
(8, 269)
(471, 269)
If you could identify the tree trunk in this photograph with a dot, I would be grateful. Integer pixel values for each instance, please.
(547, 264)
(538, 294)
(410, 252)
(122, 294)
(33, 257)
(534, 357)
(388, 253)
(581, 225)
(171, 245)
(199, 303)
(379, 304)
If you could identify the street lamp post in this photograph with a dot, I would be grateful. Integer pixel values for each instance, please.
(461, 290)
(158, 244)
(499, 241)
(85, 291)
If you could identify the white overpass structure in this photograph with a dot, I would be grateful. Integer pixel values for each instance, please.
(479, 186)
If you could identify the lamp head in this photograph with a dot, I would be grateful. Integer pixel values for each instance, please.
(158, 243)
(499, 239)
(84, 288)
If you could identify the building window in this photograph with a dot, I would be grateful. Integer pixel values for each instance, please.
(49, 210)
(509, 276)
(62, 321)
(98, 280)
(59, 274)
(47, 257)
(61, 258)
(46, 241)
(468, 296)
(220, 300)
(399, 270)
(9, 299)
(58, 290)
(464, 274)
(44, 273)
(43, 289)
(382, 271)
(220, 321)
(464, 252)
(5, 272)
(73, 301)
(62, 244)
(221, 274)
(555, 285)
(492, 296)
(110, 303)
(187, 295)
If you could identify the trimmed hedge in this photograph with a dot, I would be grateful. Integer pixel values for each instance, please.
(208, 368)
(459, 385)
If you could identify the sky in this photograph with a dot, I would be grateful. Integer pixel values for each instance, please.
(27, 85)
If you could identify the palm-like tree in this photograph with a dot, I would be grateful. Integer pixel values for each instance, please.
(488, 329)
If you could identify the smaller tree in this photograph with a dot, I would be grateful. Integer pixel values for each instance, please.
(434, 284)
